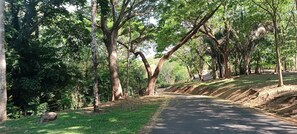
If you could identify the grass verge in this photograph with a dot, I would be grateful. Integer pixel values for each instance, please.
(119, 118)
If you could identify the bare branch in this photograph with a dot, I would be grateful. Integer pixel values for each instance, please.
(113, 8)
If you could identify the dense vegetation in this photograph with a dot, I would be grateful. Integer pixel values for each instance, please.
(65, 54)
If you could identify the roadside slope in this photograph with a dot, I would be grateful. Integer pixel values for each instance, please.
(258, 91)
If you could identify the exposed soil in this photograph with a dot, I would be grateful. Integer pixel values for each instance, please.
(128, 103)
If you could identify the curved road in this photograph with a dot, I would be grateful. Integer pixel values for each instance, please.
(204, 115)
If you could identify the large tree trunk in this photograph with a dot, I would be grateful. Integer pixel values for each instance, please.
(277, 49)
(3, 91)
(94, 57)
(117, 92)
(226, 49)
(150, 90)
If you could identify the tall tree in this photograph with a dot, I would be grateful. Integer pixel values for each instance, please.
(272, 7)
(227, 42)
(114, 15)
(3, 92)
(94, 56)
(40, 71)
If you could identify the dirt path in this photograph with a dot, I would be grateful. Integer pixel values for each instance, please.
(203, 115)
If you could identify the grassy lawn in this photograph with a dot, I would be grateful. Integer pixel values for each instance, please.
(116, 120)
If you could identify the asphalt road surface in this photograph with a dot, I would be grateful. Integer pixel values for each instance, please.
(204, 115)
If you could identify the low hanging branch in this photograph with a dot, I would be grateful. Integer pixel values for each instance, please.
(143, 58)
(184, 40)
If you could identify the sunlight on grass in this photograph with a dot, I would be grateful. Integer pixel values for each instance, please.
(113, 120)
(73, 122)
(240, 84)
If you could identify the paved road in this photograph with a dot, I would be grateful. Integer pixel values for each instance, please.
(203, 115)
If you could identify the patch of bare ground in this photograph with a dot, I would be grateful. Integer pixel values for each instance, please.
(261, 93)
(131, 103)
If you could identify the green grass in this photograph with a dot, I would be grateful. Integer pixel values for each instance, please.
(75, 122)
(224, 88)
(250, 81)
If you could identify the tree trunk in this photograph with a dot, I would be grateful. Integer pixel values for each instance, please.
(247, 60)
(277, 49)
(214, 69)
(296, 60)
(146, 65)
(3, 91)
(117, 92)
(226, 53)
(127, 74)
(236, 63)
(96, 99)
(227, 66)
(220, 66)
(257, 69)
(189, 72)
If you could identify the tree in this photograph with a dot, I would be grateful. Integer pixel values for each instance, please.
(295, 28)
(94, 56)
(218, 48)
(35, 60)
(138, 33)
(3, 91)
(114, 15)
(272, 8)
(185, 38)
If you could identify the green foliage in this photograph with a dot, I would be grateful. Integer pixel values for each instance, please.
(171, 73)
(177, 17)
(137, 76)
(41, 47)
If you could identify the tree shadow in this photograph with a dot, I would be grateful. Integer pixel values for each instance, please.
(207, 116)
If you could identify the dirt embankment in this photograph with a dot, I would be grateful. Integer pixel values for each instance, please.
(273, 99)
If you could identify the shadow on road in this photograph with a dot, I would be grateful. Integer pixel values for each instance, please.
(202, 115)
